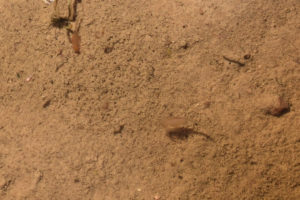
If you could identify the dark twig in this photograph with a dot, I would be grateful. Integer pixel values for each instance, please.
(234, 61)
(184, 133)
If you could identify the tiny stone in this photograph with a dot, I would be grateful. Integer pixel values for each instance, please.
(247, 56)
(173, 123)
(280, 108)
(156, 197)
(46, 104)
(119, 129)
(206, 104)
(107, 50)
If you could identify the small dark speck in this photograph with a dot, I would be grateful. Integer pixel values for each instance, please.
(76, 180)
(119, 130)
(108, 49)
(46, 104)
(185, 46)
(247, 56)
(253, 163)
(180, 177)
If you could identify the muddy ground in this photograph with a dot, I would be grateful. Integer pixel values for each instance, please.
(88, 126)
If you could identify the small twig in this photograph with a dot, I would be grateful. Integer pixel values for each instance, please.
(59, 66)
(234, 61)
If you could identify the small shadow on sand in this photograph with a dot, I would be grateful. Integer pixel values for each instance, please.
(184, 133)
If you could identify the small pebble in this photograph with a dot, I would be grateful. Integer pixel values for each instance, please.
(281, 107)
(247, 56)
(119, 129)
(47, 103)
(173, 123)
(29, 78)
(156, 197)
